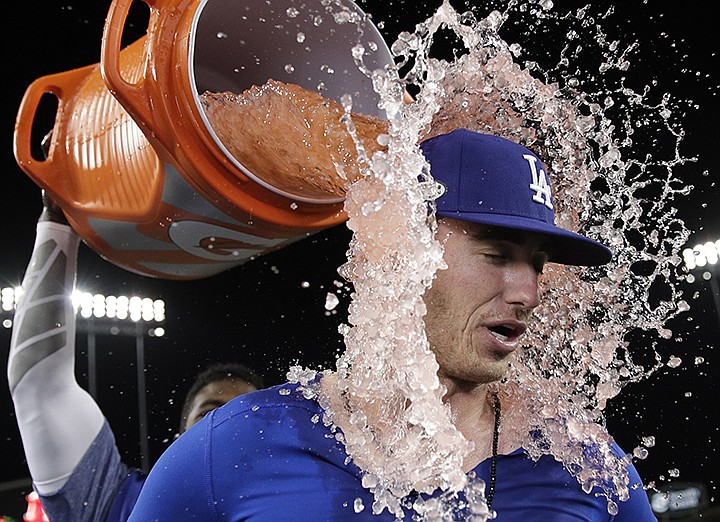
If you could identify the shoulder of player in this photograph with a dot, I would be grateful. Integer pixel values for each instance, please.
(275, 403)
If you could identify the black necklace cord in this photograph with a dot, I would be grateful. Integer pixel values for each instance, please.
(493, 460)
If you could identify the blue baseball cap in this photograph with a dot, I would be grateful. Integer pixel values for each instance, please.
(494, 181)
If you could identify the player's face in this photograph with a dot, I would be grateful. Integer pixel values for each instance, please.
(214, 395)
(477, 309)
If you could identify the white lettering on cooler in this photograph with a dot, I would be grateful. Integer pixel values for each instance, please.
(201, 240)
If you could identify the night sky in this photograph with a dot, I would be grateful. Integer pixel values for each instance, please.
(269, 313)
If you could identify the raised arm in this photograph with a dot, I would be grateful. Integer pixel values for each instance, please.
(58, 420)
(70, 450)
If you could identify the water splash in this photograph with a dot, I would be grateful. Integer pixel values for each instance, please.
(385, 393)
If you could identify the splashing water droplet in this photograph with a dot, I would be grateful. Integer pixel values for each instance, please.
(331, 301)
(612, 508)
(342, 17)
(640, 453)
(674, 361)
(358, 505)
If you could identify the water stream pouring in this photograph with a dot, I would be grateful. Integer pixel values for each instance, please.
(137, 166)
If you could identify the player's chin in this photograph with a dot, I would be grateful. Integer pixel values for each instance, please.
(498, 373)
(498, 365)
(486, 372)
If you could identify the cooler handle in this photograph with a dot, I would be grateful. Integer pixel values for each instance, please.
(132, 96)
(45, 173)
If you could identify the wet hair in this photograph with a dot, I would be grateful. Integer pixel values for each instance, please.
(218, 372)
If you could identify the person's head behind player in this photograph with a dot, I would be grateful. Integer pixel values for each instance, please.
(215, 386)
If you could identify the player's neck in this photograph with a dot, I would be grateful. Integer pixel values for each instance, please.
(473, 413)
(468, 401)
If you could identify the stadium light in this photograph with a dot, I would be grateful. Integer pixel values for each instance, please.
(9, 297)
(705, 257)
(121, 308)
(702, 255)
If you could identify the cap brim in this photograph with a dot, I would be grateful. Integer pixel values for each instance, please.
(563, 246)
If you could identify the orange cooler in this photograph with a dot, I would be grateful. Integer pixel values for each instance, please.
(133, 160)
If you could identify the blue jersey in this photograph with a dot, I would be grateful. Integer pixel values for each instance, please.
(266, 456)
(100, 489)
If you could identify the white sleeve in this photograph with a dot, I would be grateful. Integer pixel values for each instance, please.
(58, 420)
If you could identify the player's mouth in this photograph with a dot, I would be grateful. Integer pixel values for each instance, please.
(507, 333)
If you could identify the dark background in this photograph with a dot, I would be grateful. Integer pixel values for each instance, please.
(269, 313)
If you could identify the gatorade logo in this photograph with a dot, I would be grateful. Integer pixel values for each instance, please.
(217, 243)
(539, 185)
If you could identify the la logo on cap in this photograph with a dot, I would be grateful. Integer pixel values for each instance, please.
(539, 184)
(487, 181)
